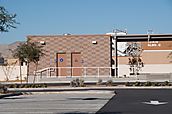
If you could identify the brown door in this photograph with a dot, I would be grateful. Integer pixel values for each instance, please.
(61, 62)
(76, 62)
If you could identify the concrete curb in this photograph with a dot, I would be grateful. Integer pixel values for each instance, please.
(119, 80)
(59, 92)
(13, 94)
(72, 92)
(88, 88)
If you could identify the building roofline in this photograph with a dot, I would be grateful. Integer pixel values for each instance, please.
(64, 35)
(169, 34)
(129, 35)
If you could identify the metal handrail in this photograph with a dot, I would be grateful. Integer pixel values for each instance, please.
(49, 70)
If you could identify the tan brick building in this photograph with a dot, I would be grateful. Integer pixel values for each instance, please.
(74, 51)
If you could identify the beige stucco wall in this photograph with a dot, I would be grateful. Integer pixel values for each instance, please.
(123, 60)
(149, 57)
(156, 57)
(12, 72)
(149, 68)
(156, 45)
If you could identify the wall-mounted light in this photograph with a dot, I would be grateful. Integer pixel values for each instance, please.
(94, 42)
(42, 42)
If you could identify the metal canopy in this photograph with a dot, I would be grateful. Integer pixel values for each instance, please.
(143, 37)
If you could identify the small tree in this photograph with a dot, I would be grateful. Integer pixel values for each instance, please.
(19, 53)
(135, 62)
(7, 20)
(33, 52)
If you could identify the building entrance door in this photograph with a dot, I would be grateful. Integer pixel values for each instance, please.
(61, 62)
(76, 62)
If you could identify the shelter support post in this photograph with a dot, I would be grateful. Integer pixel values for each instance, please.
(116, 56)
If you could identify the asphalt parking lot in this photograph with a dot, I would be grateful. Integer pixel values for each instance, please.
(54, 103)
(137, 101)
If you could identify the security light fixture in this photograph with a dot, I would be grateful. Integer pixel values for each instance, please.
(42, 42)
(94, 42)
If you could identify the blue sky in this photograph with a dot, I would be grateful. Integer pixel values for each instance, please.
(86, 17)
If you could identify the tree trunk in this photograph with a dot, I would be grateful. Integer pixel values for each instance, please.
(20, 73)
(35, 72)
(27, 70)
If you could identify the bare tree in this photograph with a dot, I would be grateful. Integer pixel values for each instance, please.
(133, 49)
(8, 69)
(135, 62)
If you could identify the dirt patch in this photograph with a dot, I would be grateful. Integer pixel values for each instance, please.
(5, 93)
(85, 86)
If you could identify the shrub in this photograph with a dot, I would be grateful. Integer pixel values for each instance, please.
(131, 84)
(156, 84)
(3, 89)
(29, 85)
(73, 83)
(22, 85)
(26, 86)
(166, 82)
(81, 83)
(141, 84)
(169, 84)
(44, 85)
(77, 82)
(127, 83)
(137, 83)
(39, 85)
(99, 82)
(16, 85)
(109, 83)
(10, 86)
(33, 86)
(163, 84)
(36, 86)
(148, 83)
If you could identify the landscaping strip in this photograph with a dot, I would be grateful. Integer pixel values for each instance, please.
(9, 95)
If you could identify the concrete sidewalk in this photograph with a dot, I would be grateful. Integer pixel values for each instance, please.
(63, 80)
(89, 88)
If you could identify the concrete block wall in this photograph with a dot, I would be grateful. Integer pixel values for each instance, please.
(94, 55)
